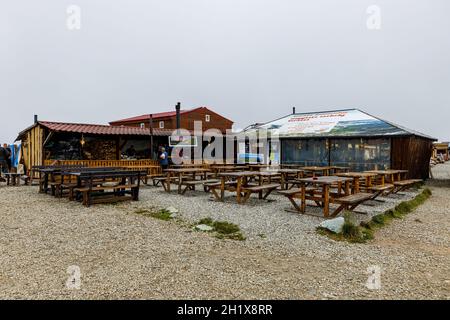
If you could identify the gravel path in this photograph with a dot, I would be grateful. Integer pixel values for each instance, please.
(122, 254)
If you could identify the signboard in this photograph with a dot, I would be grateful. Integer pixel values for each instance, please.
(338, 123)
(183, 141)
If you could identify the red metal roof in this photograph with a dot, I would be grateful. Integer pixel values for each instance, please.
(102, 129)
(146, 117)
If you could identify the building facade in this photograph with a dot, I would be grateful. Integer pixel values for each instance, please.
(168, 120)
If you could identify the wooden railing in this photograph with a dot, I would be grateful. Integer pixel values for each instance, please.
(151, 166)
(104, 163)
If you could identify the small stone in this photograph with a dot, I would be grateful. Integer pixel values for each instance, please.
(203, 227)
(172, 210)
(334, 225)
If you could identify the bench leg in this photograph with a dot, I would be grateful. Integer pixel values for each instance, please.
(135, 194)
(246, 196)
(216, 195)
(268, 193)
(296, 206)
(338, 210)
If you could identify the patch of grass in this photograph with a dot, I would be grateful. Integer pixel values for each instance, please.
(365, 231)
(223, 229)
(160, 214)
(207, 221)
(262, 235)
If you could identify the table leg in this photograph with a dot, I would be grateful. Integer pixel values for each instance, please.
(168, 181)
(222, 189)
(180, 180)
(260, 194)
(303, 198)
(326, 200)
(356, 185)
(238, 189)
(347, 188)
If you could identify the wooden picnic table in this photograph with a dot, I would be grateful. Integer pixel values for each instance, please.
(339, 169)
(357, 176)
(181, 173)
(65, 177)
(391, 174)
(218, 169)
(285, 174)
(259, 166)
(187, 165)
(324, 170)
(242, 179)
(89, 185)
(325, 183)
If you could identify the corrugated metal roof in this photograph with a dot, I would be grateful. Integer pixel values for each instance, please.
(97, 129)
(146, 117)
(102, 129)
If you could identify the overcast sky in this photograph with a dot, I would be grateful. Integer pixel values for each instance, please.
(250, 60)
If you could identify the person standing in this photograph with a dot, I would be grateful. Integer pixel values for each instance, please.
(4, 156)
(164, 159)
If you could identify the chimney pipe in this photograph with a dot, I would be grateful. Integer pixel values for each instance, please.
(293, 110)
(177, 108)
(35, 118)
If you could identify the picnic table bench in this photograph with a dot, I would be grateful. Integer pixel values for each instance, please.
(67, 180)
(267, 188)
(181, 176)
(317, 189)
(123, 185)
(405, 184)
(350, 202)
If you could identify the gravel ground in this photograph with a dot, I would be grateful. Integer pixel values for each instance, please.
(122, 254)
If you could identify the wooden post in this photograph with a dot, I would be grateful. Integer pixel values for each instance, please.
(151, 137)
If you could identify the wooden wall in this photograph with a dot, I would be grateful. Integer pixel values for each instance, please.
(187, 121)
(412, 154)
(32, 150)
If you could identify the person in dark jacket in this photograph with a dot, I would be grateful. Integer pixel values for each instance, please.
(9, 158)
(5, 155)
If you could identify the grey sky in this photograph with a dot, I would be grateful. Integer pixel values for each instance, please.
(251, 60)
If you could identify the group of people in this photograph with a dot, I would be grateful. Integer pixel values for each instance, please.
(5, 158)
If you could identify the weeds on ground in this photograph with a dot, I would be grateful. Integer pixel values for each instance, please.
(354, 233)
(158, 214)
(223, 229)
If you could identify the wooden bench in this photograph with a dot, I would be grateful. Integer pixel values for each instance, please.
(351, 202)
(162, 180)
(293, 193)
(405, 184)
(268, 188)
(155, 178)
(380, 189)
(190, 184)
(88, 199)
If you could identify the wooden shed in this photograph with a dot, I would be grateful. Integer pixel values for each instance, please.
(46, 140)
(350, 137)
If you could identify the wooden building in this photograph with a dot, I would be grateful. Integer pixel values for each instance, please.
(46, 140)
(350, 138)
(168, 120)
(441, 149)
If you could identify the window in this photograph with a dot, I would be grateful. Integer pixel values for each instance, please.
(142, 125)
(161, 124)
(207, 118)
(306, 152)
(361, 154)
